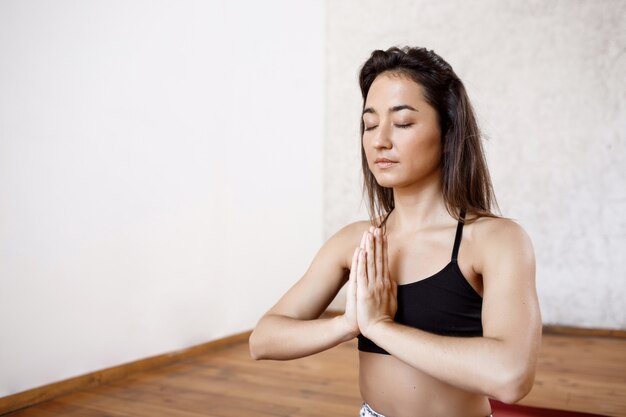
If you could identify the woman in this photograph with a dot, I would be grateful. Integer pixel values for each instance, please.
(440, 291)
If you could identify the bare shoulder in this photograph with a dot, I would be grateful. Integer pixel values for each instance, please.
(498, 229)
(495, 238)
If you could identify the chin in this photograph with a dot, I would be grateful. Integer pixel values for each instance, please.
(387, 182)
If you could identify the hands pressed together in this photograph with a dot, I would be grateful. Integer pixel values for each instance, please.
(371, 293)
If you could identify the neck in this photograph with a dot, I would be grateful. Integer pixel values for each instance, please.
(419, 205)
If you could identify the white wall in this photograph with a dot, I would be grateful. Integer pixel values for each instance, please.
(160, 175)
(547, 80)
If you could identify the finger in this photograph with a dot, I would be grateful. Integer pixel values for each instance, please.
(351, 290)
(362, 245)
(371, 258)
(386, 259)
(378, 238)
(361, 273)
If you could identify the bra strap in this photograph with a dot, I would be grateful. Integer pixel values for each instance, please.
(457, 238)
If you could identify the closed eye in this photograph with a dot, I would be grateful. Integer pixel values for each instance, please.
(404, 126)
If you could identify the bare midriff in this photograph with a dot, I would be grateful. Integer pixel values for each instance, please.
(395, 389)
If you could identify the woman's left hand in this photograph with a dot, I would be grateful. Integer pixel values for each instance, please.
(376, 291)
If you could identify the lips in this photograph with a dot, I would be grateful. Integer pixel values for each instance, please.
(384, 163)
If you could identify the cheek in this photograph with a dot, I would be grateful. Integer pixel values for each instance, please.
(424, 153)
(433, 147)
(420, 146)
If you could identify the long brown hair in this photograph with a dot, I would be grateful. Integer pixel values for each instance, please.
(466, 181)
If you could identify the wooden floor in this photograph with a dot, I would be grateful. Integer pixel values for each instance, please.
(574, 373)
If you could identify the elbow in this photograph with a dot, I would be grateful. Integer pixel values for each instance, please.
(254, 354)
(514, 385)
(255, 347)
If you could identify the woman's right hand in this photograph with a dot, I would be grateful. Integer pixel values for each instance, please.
(349, 315)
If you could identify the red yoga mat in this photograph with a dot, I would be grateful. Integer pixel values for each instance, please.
(512, 410)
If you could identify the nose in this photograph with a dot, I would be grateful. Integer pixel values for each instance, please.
(382, 139)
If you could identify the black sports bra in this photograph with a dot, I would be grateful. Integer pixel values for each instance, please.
(444, 303)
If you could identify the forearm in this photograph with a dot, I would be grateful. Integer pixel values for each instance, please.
(478, 364)
(282, 338)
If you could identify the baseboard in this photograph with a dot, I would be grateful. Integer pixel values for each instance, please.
(47, 392)
(583, 331)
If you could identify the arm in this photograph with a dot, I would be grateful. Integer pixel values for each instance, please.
(292, 328)
(501, 364)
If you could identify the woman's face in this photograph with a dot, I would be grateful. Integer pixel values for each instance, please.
(402, 128)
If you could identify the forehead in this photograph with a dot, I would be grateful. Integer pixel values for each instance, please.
(390, 89)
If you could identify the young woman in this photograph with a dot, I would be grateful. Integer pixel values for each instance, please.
(440, 291)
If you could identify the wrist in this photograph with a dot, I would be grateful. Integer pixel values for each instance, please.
(346, 331)
(375, 329)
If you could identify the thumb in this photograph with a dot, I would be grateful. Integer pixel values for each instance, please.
(352, 277)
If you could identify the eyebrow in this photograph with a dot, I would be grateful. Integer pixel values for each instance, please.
(391, 109)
